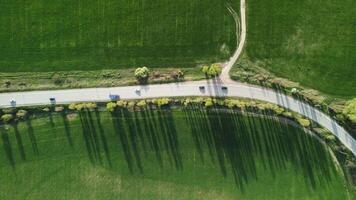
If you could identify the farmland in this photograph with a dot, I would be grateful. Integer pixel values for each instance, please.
(164, 154)
(62, 35)
(311, 42)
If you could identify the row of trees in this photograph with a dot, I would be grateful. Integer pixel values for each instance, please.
(142, 74)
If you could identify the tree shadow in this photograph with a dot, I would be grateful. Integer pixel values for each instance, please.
(19, 141)
(239, 140)
(67, 129)
(103, 138)
(32, 136)
(7, 147)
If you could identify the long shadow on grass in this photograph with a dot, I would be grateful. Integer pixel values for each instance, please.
(144, 131)
(32, 136)
(7, 147)
(67, 129)
(19, 141)
(237, 141)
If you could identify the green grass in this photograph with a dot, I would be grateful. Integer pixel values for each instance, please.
(61, 35)
(24, 81)
(180, 154)
(312, 42)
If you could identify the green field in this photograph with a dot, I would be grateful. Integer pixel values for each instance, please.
(60, 35)
(179, 154)
(308, 41)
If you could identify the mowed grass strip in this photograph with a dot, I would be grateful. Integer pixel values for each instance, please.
(167, 154)
(312, 42)
(99, 34)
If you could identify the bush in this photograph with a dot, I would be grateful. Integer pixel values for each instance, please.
(177, 74)
(90, 105)
(212, 70)
(209, 103)
(111, 106)
(303, 122)
(121, 104)
(59, 109)
(162, 102)
(7, 118)
(142, 74)
(350, 110)
(142, 104)
(21, 114)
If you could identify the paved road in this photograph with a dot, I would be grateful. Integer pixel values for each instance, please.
(213, 88)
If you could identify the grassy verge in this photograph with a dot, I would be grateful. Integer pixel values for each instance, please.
(310, 42)
(22, 81)
(248, 71)
(189, 153)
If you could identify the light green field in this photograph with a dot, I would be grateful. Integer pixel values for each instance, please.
(308, 41)
(188, 154)
(61, 35)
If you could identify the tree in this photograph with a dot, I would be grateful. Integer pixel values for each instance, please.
(209, 102)
(177, 74)
(21, 114)
(121, 103)
(350, 110)
(142, 104)
(142, 74)
(111, 106)
(212, 70)
(7, 118)
(162, 102)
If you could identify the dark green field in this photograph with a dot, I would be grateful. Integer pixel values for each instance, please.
(188, 154)
(59, 35)
(309, 41)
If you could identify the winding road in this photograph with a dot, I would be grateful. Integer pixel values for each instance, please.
(212, 88)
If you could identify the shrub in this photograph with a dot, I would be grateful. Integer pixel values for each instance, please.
(46, 109)
(350, 110)
(142, 104)
(71, 106)
(8, 110)
(212, 70)
(90, 105)
(59, 109)
(162, 102)
(121, 104)
(177, 74)
(111, 106)
(142, 74)
(208, 102)
(303, 122)
(21, 114)
(7, 118)
(131, 104)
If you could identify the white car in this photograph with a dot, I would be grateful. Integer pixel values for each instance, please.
(13, 103)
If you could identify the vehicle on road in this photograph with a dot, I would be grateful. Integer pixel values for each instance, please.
(114, 97)
(224, 88)
(52, 100)
(13, 103)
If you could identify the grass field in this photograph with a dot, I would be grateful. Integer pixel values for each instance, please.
(312, 42)
(187, 154)
(65, 35)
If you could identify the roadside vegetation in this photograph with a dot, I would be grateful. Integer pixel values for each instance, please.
(22, 81)
(335, 106)
(164, 148)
